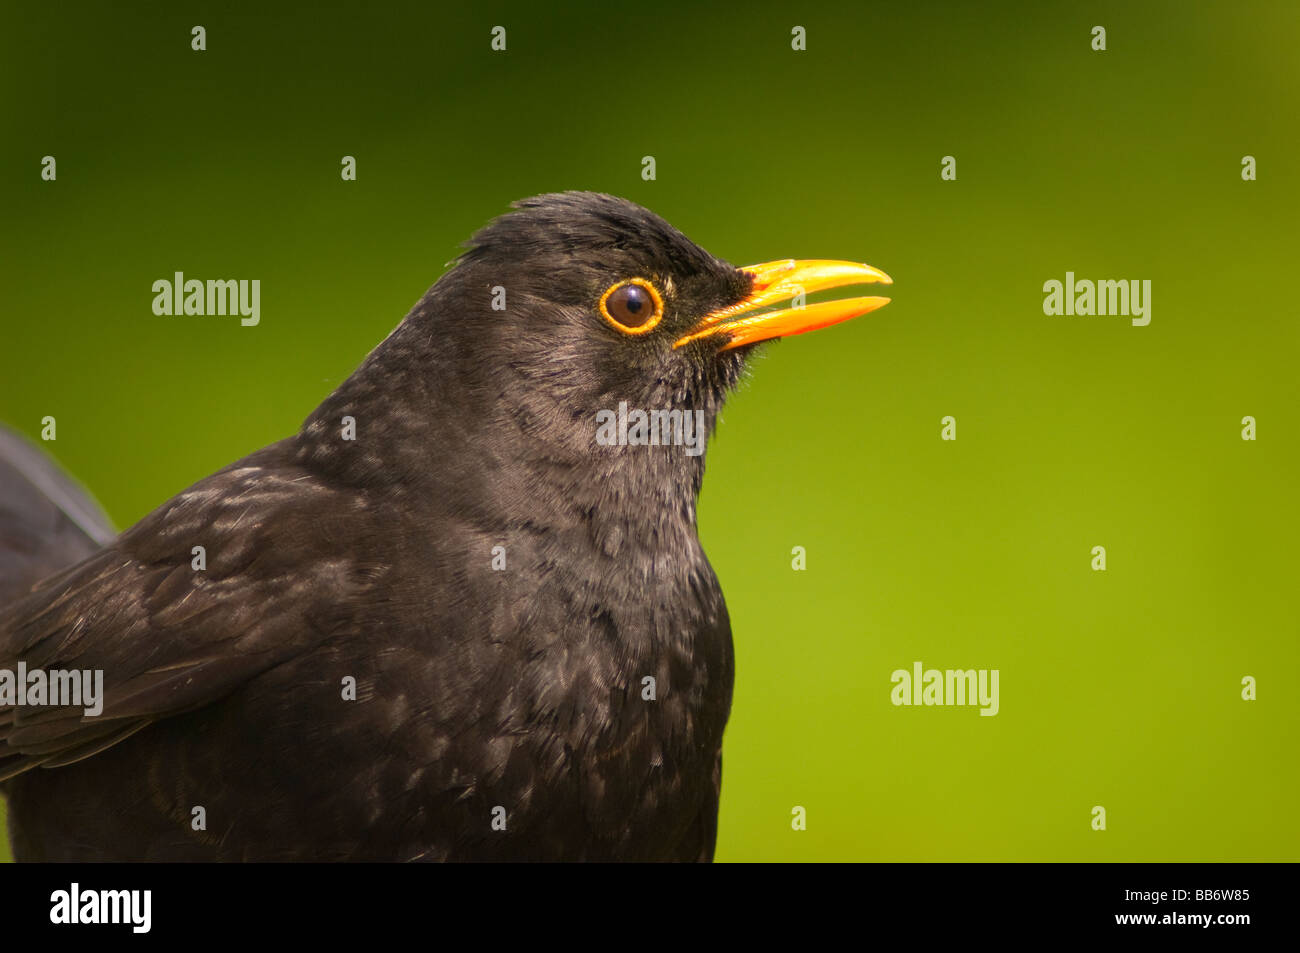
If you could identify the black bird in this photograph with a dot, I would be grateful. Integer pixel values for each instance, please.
(540, 651)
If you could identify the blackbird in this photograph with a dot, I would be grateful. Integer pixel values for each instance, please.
(462, 614)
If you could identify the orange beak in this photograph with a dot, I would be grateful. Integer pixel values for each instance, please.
(777, 281)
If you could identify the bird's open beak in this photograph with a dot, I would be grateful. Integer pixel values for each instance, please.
(777, 281)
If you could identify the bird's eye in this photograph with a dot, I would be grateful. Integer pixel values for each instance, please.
(632, 306)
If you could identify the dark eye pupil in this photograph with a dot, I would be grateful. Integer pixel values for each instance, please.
(631, 306)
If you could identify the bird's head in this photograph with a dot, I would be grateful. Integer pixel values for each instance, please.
(573, 311)
(595, 302)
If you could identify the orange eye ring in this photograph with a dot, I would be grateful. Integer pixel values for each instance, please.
(650, 323)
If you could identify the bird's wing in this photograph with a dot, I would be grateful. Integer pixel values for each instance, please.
(47, 521)
(170, 626)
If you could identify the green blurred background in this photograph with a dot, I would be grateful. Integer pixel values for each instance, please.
(1118, 688)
